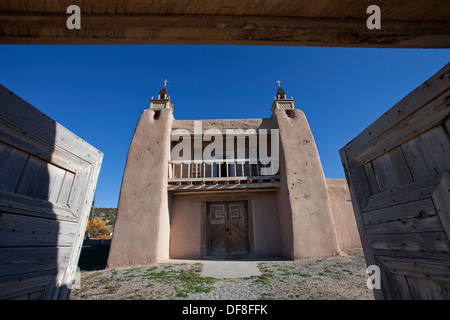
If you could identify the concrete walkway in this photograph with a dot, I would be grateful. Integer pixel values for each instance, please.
(230, 269)
(222, 269)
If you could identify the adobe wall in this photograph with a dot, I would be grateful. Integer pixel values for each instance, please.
(223, 124)
(343, 215)
(187, 223)
(142, 229)
(306, 221)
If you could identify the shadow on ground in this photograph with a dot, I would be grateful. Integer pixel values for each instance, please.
(94, 255)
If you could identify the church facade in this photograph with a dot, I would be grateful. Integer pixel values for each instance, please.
(228, 189)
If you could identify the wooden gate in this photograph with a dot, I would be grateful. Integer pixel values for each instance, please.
(47, 180)
(227, 229)
(398, 174)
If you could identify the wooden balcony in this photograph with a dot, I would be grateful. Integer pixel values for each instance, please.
(212, 175)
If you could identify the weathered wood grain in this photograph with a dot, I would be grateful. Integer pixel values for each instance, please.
(44, 204)
(24, 231)
(404, 219)
(435, 145)
(441, 200)
(13, 161)
(26, 259)
(246, 22)
(24, 205)
(418, 216)
(415, 159)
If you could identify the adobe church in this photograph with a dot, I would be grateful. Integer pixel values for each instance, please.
(241, 203)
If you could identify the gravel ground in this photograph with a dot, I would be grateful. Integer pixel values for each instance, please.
(337, 278)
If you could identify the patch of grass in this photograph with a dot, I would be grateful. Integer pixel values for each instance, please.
(185, 282)
(152, 269)
(305, 275)
(192, 282)
(267, 296)
(266, 275)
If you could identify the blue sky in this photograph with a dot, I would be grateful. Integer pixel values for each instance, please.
(99, 92)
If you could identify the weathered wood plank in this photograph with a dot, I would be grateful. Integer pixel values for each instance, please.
(391, 283)
(433, 269)
(447, 125)
(79, 186)
(411, 192)
(401, 282)
(25, 143)
(441, 199)
(400, 165)
(66, 188)
(12, 162)
(24, 205)
(436, 150)
(41, 180)
(25, 231)
(408, 219)
(416, 162)
(407, 226)
(386, 173)
(14, 261)
(26, 283)
(83, 207)
(434, 112)
(56, 177)
(425, 289)
(35, 179)
(371, 178)
(433, 245)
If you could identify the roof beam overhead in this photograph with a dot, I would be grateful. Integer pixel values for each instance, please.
(412, 24)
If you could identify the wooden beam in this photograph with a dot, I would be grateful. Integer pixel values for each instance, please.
(50, 28)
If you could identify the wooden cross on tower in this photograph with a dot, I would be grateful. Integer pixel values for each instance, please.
(279, 82)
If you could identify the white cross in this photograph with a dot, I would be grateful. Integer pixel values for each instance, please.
(165, 82)
(278, 81)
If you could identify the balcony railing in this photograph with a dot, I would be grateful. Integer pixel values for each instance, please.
(229, 171)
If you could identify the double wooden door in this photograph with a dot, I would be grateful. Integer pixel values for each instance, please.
(227, 229)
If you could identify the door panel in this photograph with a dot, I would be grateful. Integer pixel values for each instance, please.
(227, 229)
(48, 177)
(237, 223)
(217, 226)
(398, 171)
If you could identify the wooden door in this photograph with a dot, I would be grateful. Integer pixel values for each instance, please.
(227, 229)
(398, 171)
(48, 177)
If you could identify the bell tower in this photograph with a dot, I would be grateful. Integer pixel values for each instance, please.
(163, 100)
(281, 102)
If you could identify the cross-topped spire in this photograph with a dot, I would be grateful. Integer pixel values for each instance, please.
(165, 82)
(281, 102)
